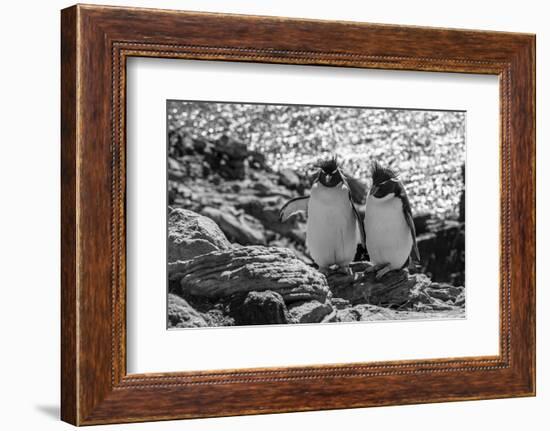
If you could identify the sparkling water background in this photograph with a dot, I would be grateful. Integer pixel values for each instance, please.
(427, 148)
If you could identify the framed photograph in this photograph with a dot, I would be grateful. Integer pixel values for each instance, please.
(264, 214)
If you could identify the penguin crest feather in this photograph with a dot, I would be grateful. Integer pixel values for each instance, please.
(328, 165)
(381, 174)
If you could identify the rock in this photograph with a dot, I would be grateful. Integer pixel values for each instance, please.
(365, 313)
(257, 160)
(365, 289)
(175, 172)
(182, 315)
(340, 303)
(181, 144)
(399, 289)
(214, 313)
(462, 207)
(263, 188)
(199, 145)
(243, 230)
(421, 223)
(231, 147)
(442, 251)
(183, 169)
(259, 308)
(266, 210)
(346, 315)
(190, 235)
(310, 311)
(298, 249)
(434, 305)
(254, 268)
(227, 157)
(460, 300)
(330, 318)
(289, 179)
(265, 185)
(444, 292)
(462, 202)
(396, 290)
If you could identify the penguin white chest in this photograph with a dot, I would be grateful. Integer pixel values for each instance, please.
(332, 232)
(388, 237)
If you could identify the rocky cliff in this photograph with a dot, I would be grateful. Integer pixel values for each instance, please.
(213, 282)
(236, 188)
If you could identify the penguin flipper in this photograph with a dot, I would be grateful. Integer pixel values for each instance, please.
(415, 254)
(293, 206)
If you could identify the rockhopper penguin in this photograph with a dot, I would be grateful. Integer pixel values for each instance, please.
(334, 227)
(389, 227)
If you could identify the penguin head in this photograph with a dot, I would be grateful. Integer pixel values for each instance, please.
(329, 174)
(385, 183)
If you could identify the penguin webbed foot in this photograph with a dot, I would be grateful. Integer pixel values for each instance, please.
(344, 269)
(381, 269)
(375, 267)
(382, 272)
(335, 269)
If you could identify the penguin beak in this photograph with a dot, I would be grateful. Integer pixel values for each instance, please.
(328, 178)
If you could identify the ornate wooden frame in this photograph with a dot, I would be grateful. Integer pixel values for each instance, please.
(95, 43)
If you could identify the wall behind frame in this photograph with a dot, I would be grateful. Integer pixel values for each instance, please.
(29, 220)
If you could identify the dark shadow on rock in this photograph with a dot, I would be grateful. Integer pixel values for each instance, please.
(258, 308)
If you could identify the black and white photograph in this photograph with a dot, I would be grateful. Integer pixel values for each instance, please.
(299, 214)
(275, 215)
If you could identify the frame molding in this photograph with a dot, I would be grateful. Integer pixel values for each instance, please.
(96, 41)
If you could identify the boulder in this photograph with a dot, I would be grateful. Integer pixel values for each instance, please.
(175, 171)
(257, 160)
(223, 273)
(227, 157)
(264, 188)
(182, 315)
(396, 290)
(340, 303)
(444, 292)
(259, 308)
(241, 229)
(265, 184)
(289, 179)
(442, 251)
(309, 311)
(266, 210)
(191, 235)
(422, 223)
(298, 249)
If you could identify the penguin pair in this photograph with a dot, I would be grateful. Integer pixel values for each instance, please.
(334, 227)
